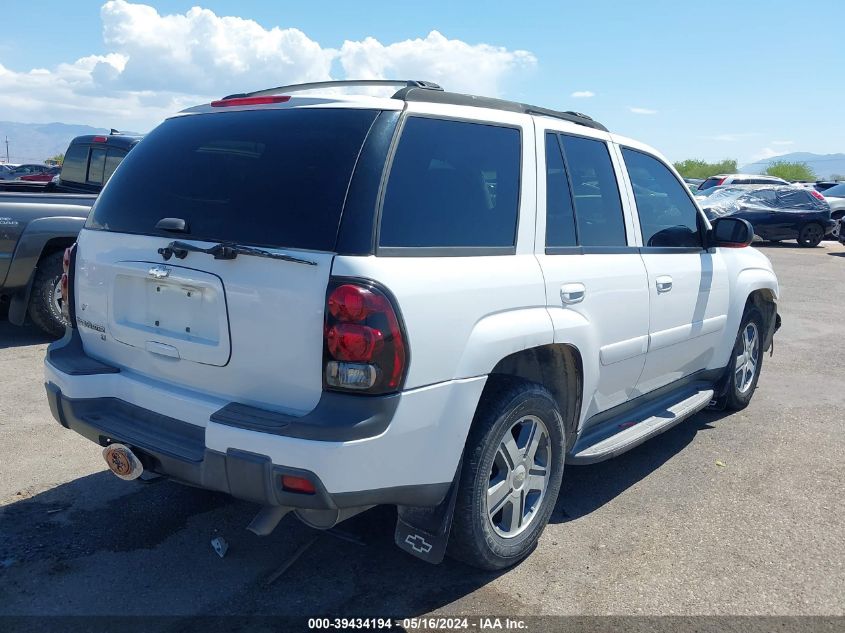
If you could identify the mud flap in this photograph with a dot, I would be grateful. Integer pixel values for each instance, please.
(424, 532)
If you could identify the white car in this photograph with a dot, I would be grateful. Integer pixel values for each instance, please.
(835, 197)
(740, 179)
(323, 303)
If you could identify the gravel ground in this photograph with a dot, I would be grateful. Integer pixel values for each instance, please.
(723, 515)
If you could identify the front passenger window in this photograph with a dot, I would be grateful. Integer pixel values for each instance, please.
(667, 215)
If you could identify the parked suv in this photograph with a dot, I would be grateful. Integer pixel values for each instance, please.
(740, 179)
(323, 303)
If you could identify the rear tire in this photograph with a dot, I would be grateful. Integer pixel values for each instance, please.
(811, 235)
(746, 361)
(510, 478)
(45, 307)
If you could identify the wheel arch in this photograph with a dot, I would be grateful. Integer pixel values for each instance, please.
(41, 238)
(765, 300)
(557, 367)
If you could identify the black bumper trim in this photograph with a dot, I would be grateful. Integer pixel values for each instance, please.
(177, 450)
(337, 417)
(68, 356)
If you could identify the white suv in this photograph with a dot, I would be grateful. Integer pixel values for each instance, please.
(321, 303)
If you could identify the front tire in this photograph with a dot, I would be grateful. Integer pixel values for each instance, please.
(511, 476)
(810, 235)
(746, 361)
(45, 305)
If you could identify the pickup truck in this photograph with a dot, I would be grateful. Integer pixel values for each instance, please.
(38, 222)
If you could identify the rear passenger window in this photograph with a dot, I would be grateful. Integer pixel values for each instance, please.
(75, 163)
(452, 184)
(598, 208)
(560, 216)
(667, 215)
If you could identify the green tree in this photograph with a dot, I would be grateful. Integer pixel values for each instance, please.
(695, 168)
(58, 159)
(790, 171)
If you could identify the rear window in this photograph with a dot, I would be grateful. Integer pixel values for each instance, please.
(273, 178)
(75, 163)
(837, 191)
(710, 182)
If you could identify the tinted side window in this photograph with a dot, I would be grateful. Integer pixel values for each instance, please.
(598, 208)
(560, 216)
(75, 163)
(667, 215)
(96, 165)
(452, 184)
(113, 158)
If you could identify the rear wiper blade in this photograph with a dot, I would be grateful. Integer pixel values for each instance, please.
(225, 250)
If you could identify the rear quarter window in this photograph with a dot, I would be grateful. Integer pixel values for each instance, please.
(452, 184)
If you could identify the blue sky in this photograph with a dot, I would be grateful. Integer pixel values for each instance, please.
(709, 80)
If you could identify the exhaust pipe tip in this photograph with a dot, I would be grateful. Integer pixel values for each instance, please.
(267, 519)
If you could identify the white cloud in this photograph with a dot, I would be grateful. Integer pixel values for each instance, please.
(158, 64)
(783, 142)
(582, 94)
(478, 68)
(642, 110)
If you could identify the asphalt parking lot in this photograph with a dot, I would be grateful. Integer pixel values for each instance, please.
(723, 515)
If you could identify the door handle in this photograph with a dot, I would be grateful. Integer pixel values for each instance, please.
(572, 293)
(663, 283)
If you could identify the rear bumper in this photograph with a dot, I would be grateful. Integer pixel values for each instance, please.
(408, 458)
(177, 450)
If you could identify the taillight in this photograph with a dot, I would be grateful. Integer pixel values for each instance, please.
(68, 263)
(365, 347)
(816, 194)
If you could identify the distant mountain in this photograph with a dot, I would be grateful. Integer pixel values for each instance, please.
(34, 142)
(824, 165)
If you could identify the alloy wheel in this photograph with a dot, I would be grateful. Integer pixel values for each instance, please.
(745, 367)
(519, 477)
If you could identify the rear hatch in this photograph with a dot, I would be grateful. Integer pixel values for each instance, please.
(262, 192)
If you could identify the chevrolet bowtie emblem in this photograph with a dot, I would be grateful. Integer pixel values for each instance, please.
(159, 272)
(418, 543)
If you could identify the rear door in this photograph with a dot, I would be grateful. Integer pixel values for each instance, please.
(595, 279)
(246, 328)
(687, 284)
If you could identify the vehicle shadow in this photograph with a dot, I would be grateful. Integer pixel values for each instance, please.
(97, 535)
(14, 336)
(764, 244)
(585, 489)
(837, 254)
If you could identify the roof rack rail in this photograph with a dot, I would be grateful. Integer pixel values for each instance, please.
(410, 93)
(345, 83)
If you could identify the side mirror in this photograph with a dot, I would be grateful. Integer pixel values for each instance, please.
(731, 233)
